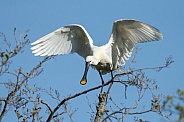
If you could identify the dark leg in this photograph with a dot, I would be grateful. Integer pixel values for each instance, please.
(102, 81)
(111, 83)
(111, 74)
(101, 77)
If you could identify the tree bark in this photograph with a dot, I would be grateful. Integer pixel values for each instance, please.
(101, 109)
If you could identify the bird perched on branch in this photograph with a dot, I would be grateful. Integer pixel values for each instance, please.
(75, 39)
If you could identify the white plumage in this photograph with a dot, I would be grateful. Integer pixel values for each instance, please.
(75, 39)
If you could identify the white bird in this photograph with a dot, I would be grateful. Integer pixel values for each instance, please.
(75, 39)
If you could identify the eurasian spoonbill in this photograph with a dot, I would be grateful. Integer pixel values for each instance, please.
(75, 39)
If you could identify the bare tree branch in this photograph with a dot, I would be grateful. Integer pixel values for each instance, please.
(13, 92)
(48, 106)
(74, 96)
(101, 109)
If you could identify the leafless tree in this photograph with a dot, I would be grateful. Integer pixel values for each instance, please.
(28, 104)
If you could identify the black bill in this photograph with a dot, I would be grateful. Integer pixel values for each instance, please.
(84, 81)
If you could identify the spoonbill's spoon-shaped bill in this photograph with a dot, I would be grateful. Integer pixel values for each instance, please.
(106, 58)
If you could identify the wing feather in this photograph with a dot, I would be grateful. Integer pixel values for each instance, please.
(125, 34)
(65, 40)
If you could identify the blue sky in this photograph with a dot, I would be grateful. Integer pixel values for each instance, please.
(65, 72)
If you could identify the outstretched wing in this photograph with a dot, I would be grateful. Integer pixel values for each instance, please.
(125, 34)
(65, 40)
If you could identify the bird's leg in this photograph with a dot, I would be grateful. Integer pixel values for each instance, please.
(102, 81)
(111, 83)
(101, 77)
(111, 75)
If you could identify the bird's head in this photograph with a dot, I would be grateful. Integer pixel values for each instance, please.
(90, 60)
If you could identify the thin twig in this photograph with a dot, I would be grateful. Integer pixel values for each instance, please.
(50, 109)
(120, 112)
(13, 92)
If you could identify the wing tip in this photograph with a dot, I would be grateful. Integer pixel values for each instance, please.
(158, 35)
(33, 43)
